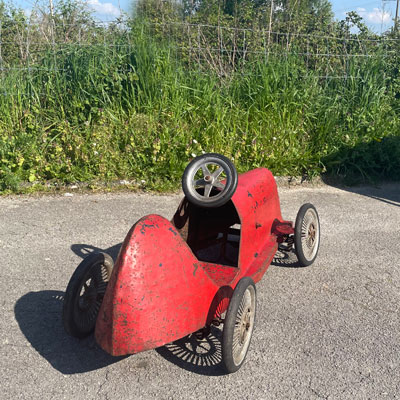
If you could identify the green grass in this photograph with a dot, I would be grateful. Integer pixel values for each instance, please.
(108, 113)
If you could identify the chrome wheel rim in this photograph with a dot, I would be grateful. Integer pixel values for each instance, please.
(244, 325)
(310, 234)
(208, 180)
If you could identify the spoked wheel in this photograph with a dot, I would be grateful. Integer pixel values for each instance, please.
(307, 234)
(209, 180)
(84, 294)
(239, 325)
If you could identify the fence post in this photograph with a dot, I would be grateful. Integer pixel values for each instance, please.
(244, 50)
(265, 46)
(270, 25)
(220, 56)
(198, 45)
(52, 24)
(189, 32)
(1, 54)
(287, 43)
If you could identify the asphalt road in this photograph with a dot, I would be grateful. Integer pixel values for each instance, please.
(329, 331)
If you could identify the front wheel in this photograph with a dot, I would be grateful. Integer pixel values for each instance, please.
(239, 325)
(307, 234)
(84, 294)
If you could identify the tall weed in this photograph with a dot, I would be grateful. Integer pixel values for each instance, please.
(102, 113)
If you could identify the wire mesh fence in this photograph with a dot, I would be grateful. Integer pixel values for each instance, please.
(44, 48)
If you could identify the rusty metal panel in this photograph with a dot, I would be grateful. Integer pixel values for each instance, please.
(257, 203)
(158, 291)
(161, 288)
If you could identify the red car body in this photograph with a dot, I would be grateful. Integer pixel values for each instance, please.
(166, 285)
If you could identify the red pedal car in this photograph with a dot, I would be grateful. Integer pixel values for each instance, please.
(174, 278)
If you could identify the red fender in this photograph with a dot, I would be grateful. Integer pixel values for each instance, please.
(158, 291)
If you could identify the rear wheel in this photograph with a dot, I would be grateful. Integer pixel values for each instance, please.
(239, 325)
(307, 234)
(84, 294)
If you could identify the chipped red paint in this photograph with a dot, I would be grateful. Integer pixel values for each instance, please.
(159, 291)
(146, 306)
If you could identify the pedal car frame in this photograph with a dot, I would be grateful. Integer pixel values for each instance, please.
(174, 278)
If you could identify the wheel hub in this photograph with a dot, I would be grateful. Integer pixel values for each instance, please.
(311, 234)
(245, 326)
(307, 234)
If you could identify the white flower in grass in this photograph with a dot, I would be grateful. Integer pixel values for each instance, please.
(96, 153)
(274, 138)
(193, 155)
(195, 141)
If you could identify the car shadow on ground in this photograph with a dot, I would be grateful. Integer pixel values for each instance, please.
(83, 250)
(201, 352)
(39, 316)
(286, 259)
(201, 356)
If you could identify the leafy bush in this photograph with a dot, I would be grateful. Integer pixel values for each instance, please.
(139, 108)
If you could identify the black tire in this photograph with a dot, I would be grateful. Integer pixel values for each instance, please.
(84, 294)
(307, 233)
(209, 191)
(239, 324)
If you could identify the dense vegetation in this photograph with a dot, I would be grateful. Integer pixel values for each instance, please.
(82, 101)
